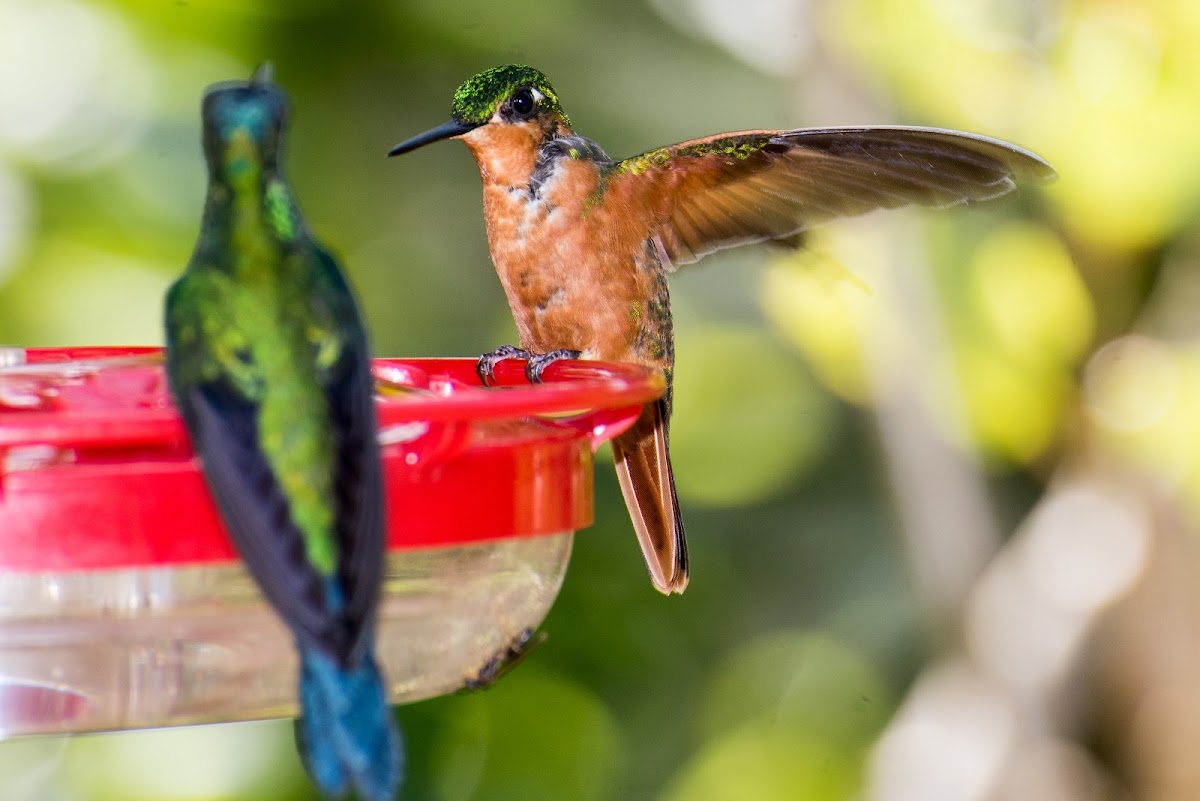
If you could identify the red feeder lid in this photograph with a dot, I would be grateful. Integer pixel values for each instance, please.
(96, 470)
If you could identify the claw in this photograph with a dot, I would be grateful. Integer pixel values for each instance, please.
(486, 366)
(538, 363)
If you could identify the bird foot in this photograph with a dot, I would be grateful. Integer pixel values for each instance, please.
(538, 362)
(486, 366)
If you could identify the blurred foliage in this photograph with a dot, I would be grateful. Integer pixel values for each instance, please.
(1031, 332)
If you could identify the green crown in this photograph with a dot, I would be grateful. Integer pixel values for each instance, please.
(476, 100)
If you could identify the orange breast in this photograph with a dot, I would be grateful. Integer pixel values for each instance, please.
(577, 273)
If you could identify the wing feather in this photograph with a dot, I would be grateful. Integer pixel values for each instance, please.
(358, 484)
(256, 514)
(734, 189)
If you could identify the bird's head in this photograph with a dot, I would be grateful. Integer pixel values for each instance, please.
(512, 108)
(243, 127)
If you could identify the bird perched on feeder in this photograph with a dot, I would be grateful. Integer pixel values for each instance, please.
(583, 243)
(268, 362)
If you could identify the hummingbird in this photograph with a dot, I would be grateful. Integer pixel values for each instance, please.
(583, 243)
(268, 362)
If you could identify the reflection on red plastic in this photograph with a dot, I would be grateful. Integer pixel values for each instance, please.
(96, 470)
(25, 706)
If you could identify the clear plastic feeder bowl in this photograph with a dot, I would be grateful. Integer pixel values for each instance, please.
(122, 601)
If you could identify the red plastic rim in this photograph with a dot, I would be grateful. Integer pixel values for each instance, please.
(96, 470)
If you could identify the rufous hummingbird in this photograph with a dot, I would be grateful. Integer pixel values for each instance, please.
(583, 243)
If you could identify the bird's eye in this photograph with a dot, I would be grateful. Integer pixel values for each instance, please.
(522, 103)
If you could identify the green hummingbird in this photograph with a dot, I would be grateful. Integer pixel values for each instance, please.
(268, 362)
(583, 243)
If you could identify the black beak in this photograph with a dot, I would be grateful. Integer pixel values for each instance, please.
(452, 128)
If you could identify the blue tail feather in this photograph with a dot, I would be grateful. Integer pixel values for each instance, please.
(346, 733)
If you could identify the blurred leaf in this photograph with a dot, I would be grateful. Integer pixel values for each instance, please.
(748, 419)
(1014, 411)
(530, 735)
(1142, 397)
(32, 769)
(1108, 92)
(1029, 295)
(806, 683)
(766, 763)
(79, 295)
(192, 762)
(818, 299)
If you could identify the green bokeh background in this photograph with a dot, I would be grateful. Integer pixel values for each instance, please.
(1047, 332)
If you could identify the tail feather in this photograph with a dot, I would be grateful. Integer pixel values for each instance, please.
(648, 483)
(346, 733)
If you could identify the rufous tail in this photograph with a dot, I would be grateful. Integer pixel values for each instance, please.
(644, 471)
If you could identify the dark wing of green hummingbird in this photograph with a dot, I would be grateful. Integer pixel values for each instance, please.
(362, 529)
(739, 188)
(223, 420)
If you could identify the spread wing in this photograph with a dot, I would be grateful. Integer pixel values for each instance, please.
(734, 189)
(217, 395)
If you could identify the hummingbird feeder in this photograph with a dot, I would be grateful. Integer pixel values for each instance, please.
(123, 603)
